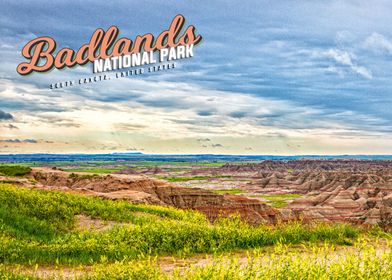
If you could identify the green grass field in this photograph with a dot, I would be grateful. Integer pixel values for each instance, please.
(14, 170)
(364, 261)
(41, 228)
(184, 179)
(229, 191)
(94, 170)
(190, 178)
(281, 263)
(278, 200)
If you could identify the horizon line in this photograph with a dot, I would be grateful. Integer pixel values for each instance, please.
(193, 154)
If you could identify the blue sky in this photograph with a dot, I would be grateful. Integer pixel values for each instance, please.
(270, 77)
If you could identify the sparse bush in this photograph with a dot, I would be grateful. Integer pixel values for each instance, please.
(14, 170)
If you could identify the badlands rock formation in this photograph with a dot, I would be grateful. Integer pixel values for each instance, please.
(355, 191)
(142, 189)
(333, 190)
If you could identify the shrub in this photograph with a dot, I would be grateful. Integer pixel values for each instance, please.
(14, 170)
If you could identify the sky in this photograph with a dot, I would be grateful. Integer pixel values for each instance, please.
(270, 77)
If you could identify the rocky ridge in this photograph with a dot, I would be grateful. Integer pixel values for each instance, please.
(142, 189)
(332, 190)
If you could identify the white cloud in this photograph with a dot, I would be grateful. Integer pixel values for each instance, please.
(378, 43)
(346, 58)
(344, 38)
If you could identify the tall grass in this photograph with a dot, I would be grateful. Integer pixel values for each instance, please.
(365, 261)
(38, 227)
(365, 265)
(54, 212)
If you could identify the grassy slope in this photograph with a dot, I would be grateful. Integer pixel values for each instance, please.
(366, 263)
(279, 200)
(228, 191)
(38, 226)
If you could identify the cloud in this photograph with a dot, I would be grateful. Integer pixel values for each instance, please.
(11, 126)
(344, 37)
(11, 141)
(56, 120)
(346, 58)
(5, 116)
(129, 126)
(204, 140)
(205, 113)
(216, 145)
(31, 141)
(378, 43)
(266, 82)
(237, 114)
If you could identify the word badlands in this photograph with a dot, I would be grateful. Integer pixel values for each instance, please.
(138, 59)
(104, 45)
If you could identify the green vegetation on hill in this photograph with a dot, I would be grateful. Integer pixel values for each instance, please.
(40, 227)
(363, 261)
(191, 178)
(281, 264)
(14, 170)
(279, 200)
(185, 179)
(229, 191)
(95, 170)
